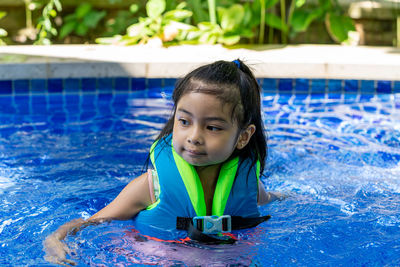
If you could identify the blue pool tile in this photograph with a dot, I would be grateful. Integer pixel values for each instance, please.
(300, 98)
(367, 86)
(21, 86)
(138, 84)
(72, 85)
(384, 87)
(351, 86)
(318, 86)
(302, 85)
(366, 98)
(88, 101)
(87, 115)
(55, 85)
(105, 84)
(38, 85)
(284, 98)
(169, 83)
(22, 103)
(335, 86)
(122, 84)
(6, 105)
(269, 85)
(5, 87)
(384, 97)
(285, 85)
(396, 87)
(154, 83)
(334, 96)
(39, 100)
(58, 117)
(55, 102)
(350, 98)
(104, 99)
(88, 84)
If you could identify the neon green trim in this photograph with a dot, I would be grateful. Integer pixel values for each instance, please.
(224, 186)
(152, 206)
(258, 171)
(152, 153)
(192, 183)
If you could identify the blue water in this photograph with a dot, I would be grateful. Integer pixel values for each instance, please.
(337, 157)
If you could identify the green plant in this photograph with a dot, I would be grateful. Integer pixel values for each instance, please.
(81, 21)
(3, 33)
(160, 26)
(230, 28)
(45, 26)
(118, 24)
(300, 16)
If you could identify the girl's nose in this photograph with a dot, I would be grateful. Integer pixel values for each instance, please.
(194, 137)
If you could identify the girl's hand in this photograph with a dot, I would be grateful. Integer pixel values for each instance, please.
(56, 251)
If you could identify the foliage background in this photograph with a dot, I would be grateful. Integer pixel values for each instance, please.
(171, 22)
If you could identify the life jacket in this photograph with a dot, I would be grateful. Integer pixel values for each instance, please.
(181, 192)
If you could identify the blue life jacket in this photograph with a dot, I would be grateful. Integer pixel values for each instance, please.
(181, 192)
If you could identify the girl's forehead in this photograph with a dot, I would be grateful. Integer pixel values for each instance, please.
(200, 103)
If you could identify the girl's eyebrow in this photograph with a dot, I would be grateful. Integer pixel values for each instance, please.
(220, 119)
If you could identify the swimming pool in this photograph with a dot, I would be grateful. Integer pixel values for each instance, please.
(68, 146)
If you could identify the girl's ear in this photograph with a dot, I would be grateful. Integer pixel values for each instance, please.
(245, 135)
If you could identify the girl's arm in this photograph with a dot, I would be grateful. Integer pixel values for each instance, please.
(130, 201)
(267, 197)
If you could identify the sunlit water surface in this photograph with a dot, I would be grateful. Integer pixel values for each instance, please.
(335, 156)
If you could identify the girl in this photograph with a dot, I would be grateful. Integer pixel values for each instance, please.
(206, 161)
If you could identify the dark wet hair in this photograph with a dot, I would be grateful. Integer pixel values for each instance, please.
(234, 83)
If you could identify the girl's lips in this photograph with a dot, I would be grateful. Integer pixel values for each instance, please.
(194, 152)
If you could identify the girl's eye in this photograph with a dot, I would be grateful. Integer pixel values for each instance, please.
(183, 122)
(214, 128)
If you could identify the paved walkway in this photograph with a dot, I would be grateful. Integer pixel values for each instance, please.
(297, 61)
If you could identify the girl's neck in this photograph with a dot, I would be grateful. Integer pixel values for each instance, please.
(208, 177)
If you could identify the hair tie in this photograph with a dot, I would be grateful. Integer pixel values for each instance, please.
(237, 63)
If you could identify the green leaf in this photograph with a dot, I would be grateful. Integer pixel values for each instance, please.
(181, 5)
(81, 29)
(275, 22)
(134, 8)
(232, 17)
(246, 33)
(109, 40)
(3, 32)
(93, 17)
(53, 13)
(47, 24)
(339, 26)
(58, 5)
(178, 14)
(82, 10)
(229, 40)
(2, 14)
(270, 3)
(70, 17)
(299, 3)
(155, 8)
(67, 28)
(301, 19)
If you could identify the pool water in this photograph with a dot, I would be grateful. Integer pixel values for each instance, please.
(336, 156)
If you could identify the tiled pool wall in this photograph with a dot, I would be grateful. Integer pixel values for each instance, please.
(128, 84)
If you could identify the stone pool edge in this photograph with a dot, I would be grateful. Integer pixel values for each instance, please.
(294, 61)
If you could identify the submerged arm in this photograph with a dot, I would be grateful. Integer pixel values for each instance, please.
(130, 201)
(267, 197)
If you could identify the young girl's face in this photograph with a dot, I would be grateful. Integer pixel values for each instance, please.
(204, 132)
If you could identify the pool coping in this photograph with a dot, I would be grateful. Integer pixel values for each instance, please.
(268, 61)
